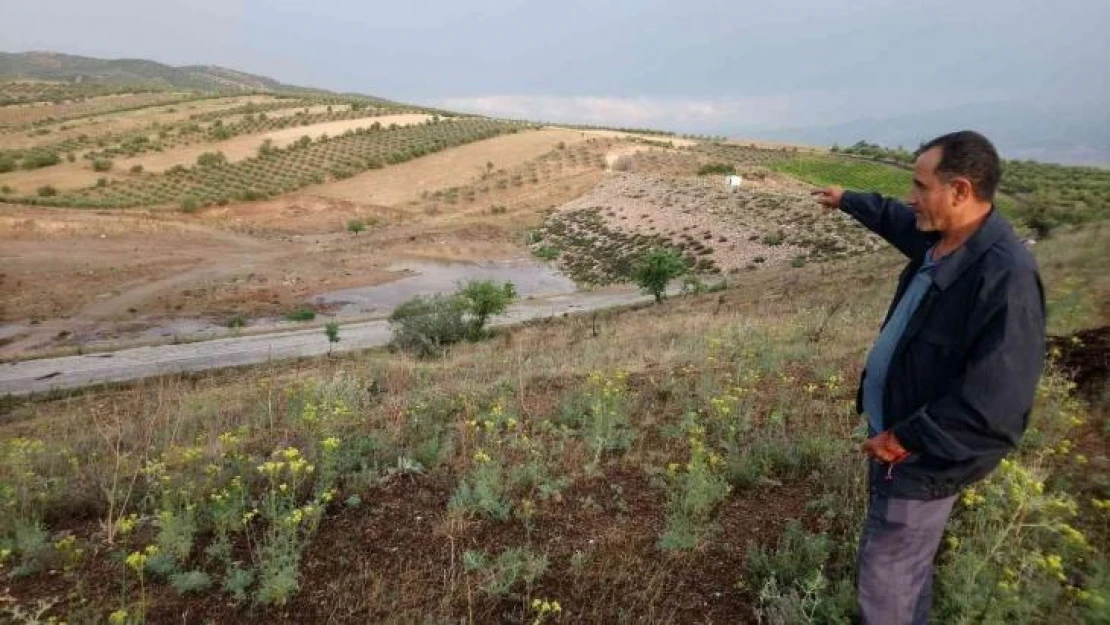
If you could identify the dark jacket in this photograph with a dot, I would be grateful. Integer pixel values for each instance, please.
(960, 385)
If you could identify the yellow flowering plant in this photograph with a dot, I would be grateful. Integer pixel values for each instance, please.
(1012, 551)
(694, 491)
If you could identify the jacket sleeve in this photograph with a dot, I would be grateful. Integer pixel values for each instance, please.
(987, 408)
(888, 218)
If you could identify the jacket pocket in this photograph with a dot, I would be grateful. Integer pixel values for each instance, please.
(932, 364)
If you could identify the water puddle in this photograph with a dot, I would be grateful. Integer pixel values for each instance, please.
(10, 331)
(530, 278)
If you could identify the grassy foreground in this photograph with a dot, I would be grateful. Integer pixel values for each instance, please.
(690, 462)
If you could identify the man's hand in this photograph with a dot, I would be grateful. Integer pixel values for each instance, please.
(885, 447)
(829, 197)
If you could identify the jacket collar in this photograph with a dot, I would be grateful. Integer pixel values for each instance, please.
(993, 228)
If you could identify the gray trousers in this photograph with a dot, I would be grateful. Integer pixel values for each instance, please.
(896, 550)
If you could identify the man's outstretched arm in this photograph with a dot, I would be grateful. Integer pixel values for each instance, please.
(886, 217)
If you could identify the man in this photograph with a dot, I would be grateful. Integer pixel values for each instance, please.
(949, 383)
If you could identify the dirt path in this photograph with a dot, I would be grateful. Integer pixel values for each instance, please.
(72, 372)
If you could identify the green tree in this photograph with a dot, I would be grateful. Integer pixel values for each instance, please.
(485, 298)
(716, 168)
(656, 269)
(102, 164)
(331, 330)
(267, 148)
(211, 159)
(356, 226)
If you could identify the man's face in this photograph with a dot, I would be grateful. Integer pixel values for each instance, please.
(932, 198)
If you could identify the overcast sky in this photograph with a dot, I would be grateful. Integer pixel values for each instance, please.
(689, 65)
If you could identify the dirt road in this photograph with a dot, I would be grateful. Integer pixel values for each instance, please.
(71, 372)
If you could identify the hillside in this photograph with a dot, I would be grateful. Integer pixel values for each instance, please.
(55, 66)
(695, 460)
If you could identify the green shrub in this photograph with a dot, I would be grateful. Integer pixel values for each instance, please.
(190, 582)
(6, 190)
(189, 205)
(426, 327)
(547, 252)
(1002, 571)
(211, 159)
(498, 577)
(356, 226)
(716, 168)
(484, 490)
(7, 164)
(774, 239)
(656, 269)
(694, 492)
(331, 330)
(791, 581)
(220, 132)
(35, 160)
(301, 314)
(238, 581)
(47, 191)
(136, 169)
(102, 164)
(267, 148)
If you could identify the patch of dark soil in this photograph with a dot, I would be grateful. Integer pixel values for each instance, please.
(1085, 355)
(397, 558)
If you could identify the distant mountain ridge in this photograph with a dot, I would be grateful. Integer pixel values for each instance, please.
(1067, 133)
(55, 66)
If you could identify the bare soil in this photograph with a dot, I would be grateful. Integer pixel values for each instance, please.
(79, 275)
(403, 549)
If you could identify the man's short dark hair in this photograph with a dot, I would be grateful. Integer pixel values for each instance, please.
(970, 155)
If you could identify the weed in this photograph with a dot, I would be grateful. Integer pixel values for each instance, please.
(499, 576)
(301, 314)
(791, 580)
(694, 492)
(190, 582)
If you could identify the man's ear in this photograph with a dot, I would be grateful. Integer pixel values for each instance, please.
(962, 191)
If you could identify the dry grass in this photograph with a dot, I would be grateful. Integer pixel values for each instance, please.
(396, 555)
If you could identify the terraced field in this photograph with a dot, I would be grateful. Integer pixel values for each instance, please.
(35, 113)
(771, 220)
(275, 170)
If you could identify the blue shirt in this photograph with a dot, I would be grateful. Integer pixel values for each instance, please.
(878, 360)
